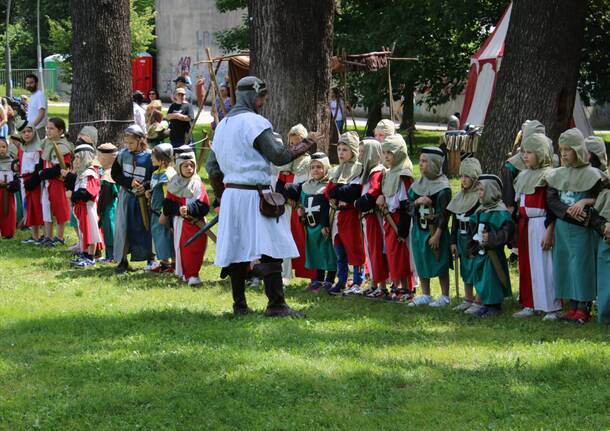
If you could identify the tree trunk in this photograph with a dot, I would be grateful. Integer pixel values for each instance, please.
(538, 76)
(101, 84)
(407, 122)
(373, 118)
(290, 49)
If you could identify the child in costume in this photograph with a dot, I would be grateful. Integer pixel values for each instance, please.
(109, 196)
(29, 165)
(462, 206)
(132, 171)
(597, 153)
(84, 182)
(491, 228)
(313, 209)
(601, 223)
(384, 129)
(573, 188)
(186, 204)
(395, 206)
(9, 186)
(536, 284)
(342, 191)
(162, 156)
(55, 204)
(295, 172)
(430, 196)
(374, 247)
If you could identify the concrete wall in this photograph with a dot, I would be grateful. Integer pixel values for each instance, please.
(184, 29)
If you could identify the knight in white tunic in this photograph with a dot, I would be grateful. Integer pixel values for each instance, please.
(239, 168)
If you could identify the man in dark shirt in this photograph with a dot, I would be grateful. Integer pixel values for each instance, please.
(180, 116)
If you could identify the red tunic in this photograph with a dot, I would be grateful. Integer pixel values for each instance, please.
(398, 255)
(349, 230)
(374, 234)
(535, 200)
(8, 222)
(33, 205)
(298, 233)
(189, 258)
(60, 206)
(86, 214)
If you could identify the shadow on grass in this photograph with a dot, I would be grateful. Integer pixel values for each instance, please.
(185, 369)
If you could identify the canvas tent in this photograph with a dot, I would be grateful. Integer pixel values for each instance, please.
(484, 66)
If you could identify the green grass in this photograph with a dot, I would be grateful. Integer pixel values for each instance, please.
(85, 349)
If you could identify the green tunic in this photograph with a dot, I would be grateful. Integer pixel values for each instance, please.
(603, 282)
(319, 251)
(487, 284)
(467, 267)
(109, 213)
(19, 208)
(426, 262)
(574, 256)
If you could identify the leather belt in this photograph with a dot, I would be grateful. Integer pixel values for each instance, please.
(247, 186)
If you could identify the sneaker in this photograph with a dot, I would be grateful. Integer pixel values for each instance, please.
(78, 256)
(420, 300)
(58, 241)
(337, 289)
(152, 265)
(442, 301)
(194, 281)
(377, 293)
(327, 285)
(313, 286)
(474, 308)
(485, 311)
(84, 262)
(75, 247)
(122, 268)
(551, 317)
(284, 311)
(30, 240)
(463, 306)
(526, 312)
(41, 241)
(354, 289)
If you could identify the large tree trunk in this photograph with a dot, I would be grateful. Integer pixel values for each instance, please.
(290, 49)
(538, 76)
(101, 84)
(373, 118)
(407, 121)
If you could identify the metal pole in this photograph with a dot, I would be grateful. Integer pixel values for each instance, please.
(38, 48)
(9, 78)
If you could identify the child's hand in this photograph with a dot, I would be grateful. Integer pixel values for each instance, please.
(183, 211)
(547, 242)
(435, 240)
(162, 219)
(607, 231)
(300, 212)
(577, 212)
(454, 250)
(64, 172)
(325, 232)
(380, 201)
(148, 194)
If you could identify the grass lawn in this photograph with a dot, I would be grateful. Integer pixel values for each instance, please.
(85, 349)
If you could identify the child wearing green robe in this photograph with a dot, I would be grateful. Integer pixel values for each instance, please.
(491, 228)
(601, 223)
(313, 210)
(430, 196)
(573, 188)
(109, 194)
(462, 206)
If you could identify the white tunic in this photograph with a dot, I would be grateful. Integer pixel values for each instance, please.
(244, 234)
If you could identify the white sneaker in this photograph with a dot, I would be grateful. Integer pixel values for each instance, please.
(526, 312)
(420, 300)
(151, 266)
(84, 262)
(551, 316)
(442, 301)
(353, 290)
(194, 281)
(463, 306)
(473, 308)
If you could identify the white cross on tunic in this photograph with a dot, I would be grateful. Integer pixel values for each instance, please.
(423, 220)
(310, 209)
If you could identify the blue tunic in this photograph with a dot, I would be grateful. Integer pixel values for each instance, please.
(162, 235)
